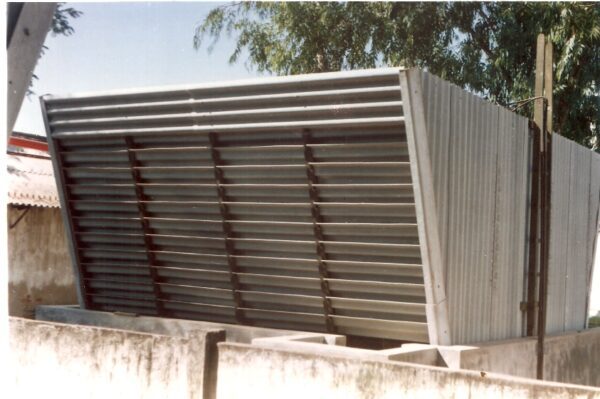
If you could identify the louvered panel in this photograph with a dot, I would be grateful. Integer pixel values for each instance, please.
(412, 331)
(240, 102)
(199, 311)
(119, 304)
(287, 205)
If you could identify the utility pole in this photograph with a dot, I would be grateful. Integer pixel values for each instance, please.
(543, 120)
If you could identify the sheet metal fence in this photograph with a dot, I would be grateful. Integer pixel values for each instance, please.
(480, 155)
(573, 231)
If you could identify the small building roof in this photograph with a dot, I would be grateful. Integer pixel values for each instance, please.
(31, 178)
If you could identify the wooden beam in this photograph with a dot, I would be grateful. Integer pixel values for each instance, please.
(538, 109)
(548, 83)
(533, 230)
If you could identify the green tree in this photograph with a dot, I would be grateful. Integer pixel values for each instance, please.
(487, 48)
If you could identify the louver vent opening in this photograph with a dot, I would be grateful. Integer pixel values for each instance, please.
(287, 205)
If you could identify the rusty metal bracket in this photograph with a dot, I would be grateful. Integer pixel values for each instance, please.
(143, 215)
(226, 227)
(317, 230)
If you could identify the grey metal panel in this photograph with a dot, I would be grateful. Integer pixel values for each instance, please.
(573, 229)
(480, 160)
(594, 222)
(559, 234)
(577, 255)
(422, 176)
(364, 186)
(511, 214)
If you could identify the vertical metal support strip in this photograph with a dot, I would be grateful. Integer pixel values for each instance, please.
(432, 258)
(67, 212)
(317, 230)
(227, 232)
(143, 215)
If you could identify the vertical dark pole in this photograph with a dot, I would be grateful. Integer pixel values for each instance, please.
(538, 118)
(533, 228)
(545, 189)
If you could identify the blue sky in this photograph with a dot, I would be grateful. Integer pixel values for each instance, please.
(123, 45)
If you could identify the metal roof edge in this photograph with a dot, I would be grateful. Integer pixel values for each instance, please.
(259, 81)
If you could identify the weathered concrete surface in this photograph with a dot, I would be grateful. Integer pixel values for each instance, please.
(569, 358)
(247, 371)
(69, 361)
(40, 268)
(572, 358)
(158, 325)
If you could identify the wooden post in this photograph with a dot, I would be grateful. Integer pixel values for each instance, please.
(543, 119)
(538, 109)
(548, 83)
(538, 118)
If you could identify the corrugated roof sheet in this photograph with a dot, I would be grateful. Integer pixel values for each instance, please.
(31, 181)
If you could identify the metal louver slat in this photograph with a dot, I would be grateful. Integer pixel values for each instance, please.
(287, 203)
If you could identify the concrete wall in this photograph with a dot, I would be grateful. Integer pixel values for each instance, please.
(572, 358)
(246, 371)
(71, 361)
(40, 270)
(99, 361)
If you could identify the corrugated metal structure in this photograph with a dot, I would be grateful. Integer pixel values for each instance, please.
(381, 203)
(574, 229)
(480, 157)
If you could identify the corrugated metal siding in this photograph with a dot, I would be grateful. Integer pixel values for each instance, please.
(480, 158)
(594, 220)
(575, 194)
(510, 225)
(559, 236)
(363, 183)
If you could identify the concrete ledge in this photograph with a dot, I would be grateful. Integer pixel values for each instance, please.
(246, 370)
(157, 325)
(572, 357)
(73, 361)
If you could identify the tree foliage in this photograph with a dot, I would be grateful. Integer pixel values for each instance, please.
(60, 25)
(487, 48)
